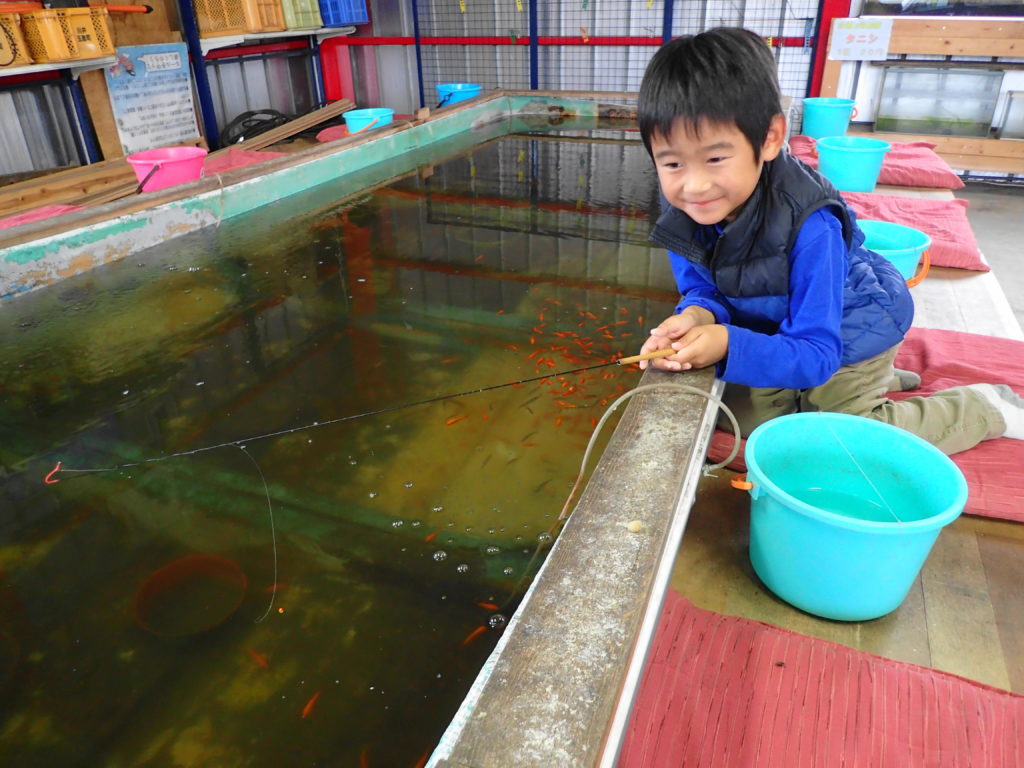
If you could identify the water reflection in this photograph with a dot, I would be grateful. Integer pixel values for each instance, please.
(386, 542)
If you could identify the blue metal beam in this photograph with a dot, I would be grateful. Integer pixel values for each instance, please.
(83, 121)
(190, 27)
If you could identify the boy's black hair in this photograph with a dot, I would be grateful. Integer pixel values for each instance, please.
(724, 75)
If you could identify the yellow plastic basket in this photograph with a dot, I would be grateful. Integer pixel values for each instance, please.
(217, 18)
(13, 49)
(263, 15)
(67, 34)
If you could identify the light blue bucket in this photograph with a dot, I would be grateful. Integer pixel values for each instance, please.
(851, 163)
(357, 120)
(825, 116)
(844, 510)
(449, 93)
(901, 245)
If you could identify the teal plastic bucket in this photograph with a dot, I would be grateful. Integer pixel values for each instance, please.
(851, 163)
(449, 93)
(357, 120)
(824, 116)
(901, 245)
(844, 510)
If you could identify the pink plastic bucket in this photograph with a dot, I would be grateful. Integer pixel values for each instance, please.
(161, 168)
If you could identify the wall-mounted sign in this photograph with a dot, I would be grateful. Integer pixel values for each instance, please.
(865, 39)
(151, 93)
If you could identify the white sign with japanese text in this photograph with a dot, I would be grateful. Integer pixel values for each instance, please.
(865, 39)
(150, 90)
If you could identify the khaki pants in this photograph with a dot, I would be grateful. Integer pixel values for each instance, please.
(952, 420)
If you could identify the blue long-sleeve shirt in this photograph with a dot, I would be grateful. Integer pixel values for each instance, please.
(796, 344)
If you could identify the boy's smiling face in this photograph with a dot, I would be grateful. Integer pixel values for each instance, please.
(709, 177)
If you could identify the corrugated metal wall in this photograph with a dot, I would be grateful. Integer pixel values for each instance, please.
(36, 131)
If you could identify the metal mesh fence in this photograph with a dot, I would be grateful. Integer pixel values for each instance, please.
(592, 45)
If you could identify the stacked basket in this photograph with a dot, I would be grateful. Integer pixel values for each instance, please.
(302, 14)
(232, 17)
(67, 34)
(13, 50)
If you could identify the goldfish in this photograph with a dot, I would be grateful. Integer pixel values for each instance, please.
(308, 709)
(474, 634)
(488, 606)
(454, 420)
(259, 659)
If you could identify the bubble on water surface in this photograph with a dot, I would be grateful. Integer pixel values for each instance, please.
(440, 555)
(508, 571)
(462, 568)
(492, 550)
(396, 523)
(497, 621)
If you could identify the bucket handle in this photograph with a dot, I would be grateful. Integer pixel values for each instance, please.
(926, 263)
(366, 127)
(445, 100)
(154, 169)
(741, 483)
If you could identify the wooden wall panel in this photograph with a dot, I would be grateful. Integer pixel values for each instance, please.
(160, 26)
(94, 88)
(954, 37)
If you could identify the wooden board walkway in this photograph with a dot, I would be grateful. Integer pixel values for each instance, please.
(109, 180)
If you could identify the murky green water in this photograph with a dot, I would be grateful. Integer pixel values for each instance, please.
(380, 543)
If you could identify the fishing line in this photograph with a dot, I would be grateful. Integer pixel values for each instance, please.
(241, 445)
(549, 534)
(273, 533)
(352, 417)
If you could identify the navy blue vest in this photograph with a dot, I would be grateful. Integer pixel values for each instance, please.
(750, 259)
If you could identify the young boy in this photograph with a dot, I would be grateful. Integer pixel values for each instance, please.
(778, 291)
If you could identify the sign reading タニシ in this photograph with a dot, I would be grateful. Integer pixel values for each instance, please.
(150, 90)
(865, 39)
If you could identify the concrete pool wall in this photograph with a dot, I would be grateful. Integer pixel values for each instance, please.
(558, 688)
(36, 254)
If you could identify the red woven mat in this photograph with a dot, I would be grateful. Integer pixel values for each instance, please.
(907, 164)
(237, 158)
(995, 468)
(944, 221)
(37, 214)
(730, 692)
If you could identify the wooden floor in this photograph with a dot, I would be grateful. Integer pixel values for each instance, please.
(964, 613)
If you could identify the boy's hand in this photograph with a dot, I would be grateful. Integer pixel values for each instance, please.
(702, 346)
(671, 330)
